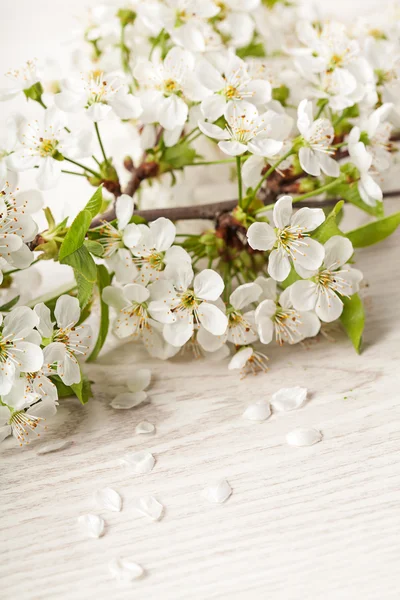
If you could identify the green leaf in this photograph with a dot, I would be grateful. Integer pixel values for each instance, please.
(81, 390)
(253, 49)
(353, 319)
(95, 202)
(178, 156)
(85, 289)
(103, 280)
(329, 227)
(76, 234)
(81, 261)
(8, 305)
(374, 232)
(94, 247)
(350, 193)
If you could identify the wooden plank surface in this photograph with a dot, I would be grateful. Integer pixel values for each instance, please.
(302, 523)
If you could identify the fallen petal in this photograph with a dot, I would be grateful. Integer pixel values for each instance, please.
(303, 437)
(260, 411)
(289, 398)
(218, 493)
(109, 499)
(144, 427)
(128, 400)
(54, 447)
(140, 462)
(149, 507)
(92, 525)
(140, 381)
(125, 570)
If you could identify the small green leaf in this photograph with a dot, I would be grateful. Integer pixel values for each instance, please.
(76, 234)
(82, 261)
(81, 390)
(103, 280)
(329, 227)
(94, 247)
(353, 319)
(178, 156)
(85, 289)
(8, 305)
(375, 232)
(95, 202)
(34, 92)
(49, 217)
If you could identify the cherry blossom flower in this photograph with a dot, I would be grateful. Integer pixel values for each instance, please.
(22, 79)
(22, 414)
(99, 95)
(334, 279)
(317, 137)
(17, 352)
(245, 130)
(165, 86)
(290, 239)
(374, 131)
(235, 21)
(241, 329)
(113, 238)
(67, 340)
(45, 144)
(279, 318)
(229, 80)
(185, 21)
(190, 301)
(368, 189)
(248, 361)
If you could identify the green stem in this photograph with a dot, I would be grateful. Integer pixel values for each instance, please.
(239, 178)
(100, 142)
(212, 162)
(73, 173)
(187, 136)
(40, 101)
(321, 108)
(83, 167)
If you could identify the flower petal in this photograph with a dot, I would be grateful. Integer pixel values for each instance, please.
(92, 525)
(329, 306)
(208, 285)
(218, 492)
(125, 570)
(244, 295)
(308, 219)
(163, 233)
(124, 210)
(140, 462)
(304, 295)
(310, 256)
(283, 212)
(128, 400)
(260, 411)
(140, 381)
(108, 499)
(233, 148)
(149, 507)
(303, 437)
(67, 311)
(212, 318)
(261, 236)
(144, 427)
(309, 161)
(53, 447)
(279, 265)
(213, 131)
(289, 398)
(338, 250)
(134, 292)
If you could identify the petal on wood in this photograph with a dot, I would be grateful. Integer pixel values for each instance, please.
(144, 427)
(92, 525)
(128, 400)
(140, 380)
(140, 462)
(260, 411)
(125, 570)
(289, 398)
(149, 507)
(109, 499)
(54, 447)
(218, 493)
(303, 437)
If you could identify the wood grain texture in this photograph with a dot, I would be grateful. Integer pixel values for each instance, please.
(302, 523)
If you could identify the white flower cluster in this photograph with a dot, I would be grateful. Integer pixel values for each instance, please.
(161, 302)
(288, 105)
(36, 354)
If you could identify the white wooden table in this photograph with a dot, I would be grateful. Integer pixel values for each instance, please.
(302, 523)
